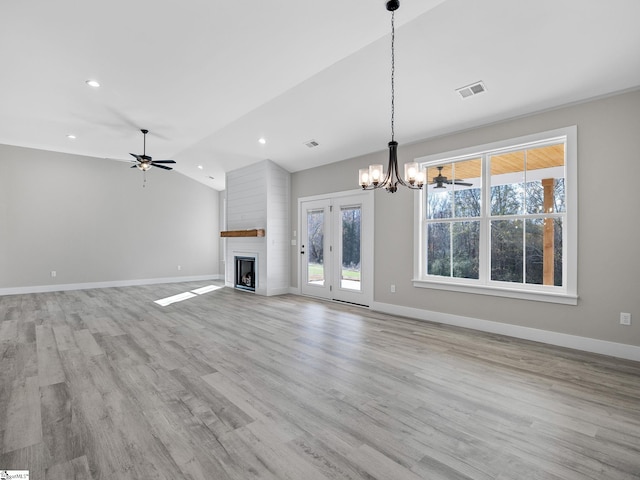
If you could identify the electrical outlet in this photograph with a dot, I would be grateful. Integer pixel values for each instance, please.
(179, 267)
(625, 318)
(53, 273)
(393, 289)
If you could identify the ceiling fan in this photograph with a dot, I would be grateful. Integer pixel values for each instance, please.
(144, 162)
(441, 180)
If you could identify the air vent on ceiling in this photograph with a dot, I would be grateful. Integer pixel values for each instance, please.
(311, 143)
(471, 90)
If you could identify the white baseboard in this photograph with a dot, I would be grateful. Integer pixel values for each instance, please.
(114, 283)
(619, 350)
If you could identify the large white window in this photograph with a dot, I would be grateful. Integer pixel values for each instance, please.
(500, 219)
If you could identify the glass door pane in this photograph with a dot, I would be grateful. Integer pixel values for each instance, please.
(350, 269)
(315, 247)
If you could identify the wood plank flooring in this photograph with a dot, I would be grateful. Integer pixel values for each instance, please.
(102, 384)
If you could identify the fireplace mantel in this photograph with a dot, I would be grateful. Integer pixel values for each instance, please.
(257, 232)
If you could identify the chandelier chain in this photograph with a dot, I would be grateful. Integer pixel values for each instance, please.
(393, 73)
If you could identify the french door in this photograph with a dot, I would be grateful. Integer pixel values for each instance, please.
(336, 247)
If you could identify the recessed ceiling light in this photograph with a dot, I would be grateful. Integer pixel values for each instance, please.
(71, 136)
(200, 167)
(93, 83)
(262, 141)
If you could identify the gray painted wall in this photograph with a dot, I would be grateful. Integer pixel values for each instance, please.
(608, 235)
(91, 220)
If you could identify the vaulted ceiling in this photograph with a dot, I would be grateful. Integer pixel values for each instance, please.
(208, 78)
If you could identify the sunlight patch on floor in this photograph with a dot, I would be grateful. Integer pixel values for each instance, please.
(163, 302)
(207, 289)
(175, 298)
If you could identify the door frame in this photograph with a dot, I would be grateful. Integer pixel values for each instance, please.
(367, 236)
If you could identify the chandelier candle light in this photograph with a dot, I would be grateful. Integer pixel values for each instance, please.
(374, 176)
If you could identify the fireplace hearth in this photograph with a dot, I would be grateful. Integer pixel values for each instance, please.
(245, 278)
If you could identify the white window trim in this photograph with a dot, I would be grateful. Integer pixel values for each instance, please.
(568, 294)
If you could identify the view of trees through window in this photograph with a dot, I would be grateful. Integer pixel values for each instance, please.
(315, 247)
(525, 194)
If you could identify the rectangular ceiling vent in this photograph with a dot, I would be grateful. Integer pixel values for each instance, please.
(471, 90)
(311, 143)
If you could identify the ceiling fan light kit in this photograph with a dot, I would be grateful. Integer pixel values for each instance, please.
(144, 162)
(374, 176)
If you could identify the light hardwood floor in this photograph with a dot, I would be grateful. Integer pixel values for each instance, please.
(105, 384)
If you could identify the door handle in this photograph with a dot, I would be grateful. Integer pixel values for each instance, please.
(302, 251)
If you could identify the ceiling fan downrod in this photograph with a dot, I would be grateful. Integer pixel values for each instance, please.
(144, 141)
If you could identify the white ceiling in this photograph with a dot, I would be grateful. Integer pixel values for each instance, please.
(209, 77)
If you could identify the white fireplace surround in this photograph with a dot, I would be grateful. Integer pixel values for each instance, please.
(257, 197)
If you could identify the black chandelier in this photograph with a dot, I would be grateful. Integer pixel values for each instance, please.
(374, 177)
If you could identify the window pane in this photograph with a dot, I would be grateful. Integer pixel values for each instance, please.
(439, 204)
(315, 249)
(558, 248)
(439, 197)
(466, 249)
(507, 183)
(350, 274)
(545, 179)
(544, 251)
(506, 250)
(466, 185)
(439, 249)
(559, 196)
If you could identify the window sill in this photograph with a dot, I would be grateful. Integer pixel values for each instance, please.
(536, 296)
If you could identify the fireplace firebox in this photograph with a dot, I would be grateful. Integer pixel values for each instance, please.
(245, 273)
